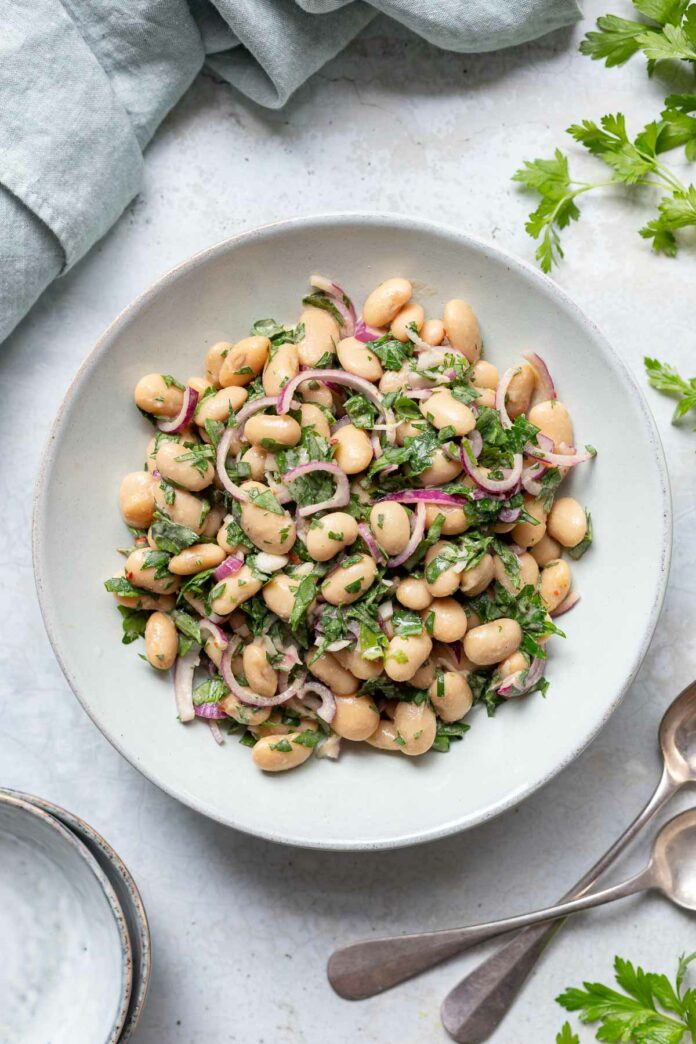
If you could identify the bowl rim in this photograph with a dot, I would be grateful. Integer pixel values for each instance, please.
(73, 841)
(321, 222)
(83, 830)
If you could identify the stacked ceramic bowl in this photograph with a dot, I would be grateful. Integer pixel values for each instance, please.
(76, 942)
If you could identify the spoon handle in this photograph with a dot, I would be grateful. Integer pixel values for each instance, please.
(473, 1009)
(366, 968)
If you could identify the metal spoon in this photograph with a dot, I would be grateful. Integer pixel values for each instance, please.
(369, 967)
(364, 969)
(475, 1007)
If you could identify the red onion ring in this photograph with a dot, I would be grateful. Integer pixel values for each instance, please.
(500, 394)
(248, 696)
(509, 514)
(415, 538)
(339, 297)
(529, 482)
(220, 459)
(232, 564)
(183, 683)
(566, 605)
(489, 485)
(557, 460)
(366, 333)
(327, 708)
(514, 686)
(372, 545)
(210, 711)
(250, 408)
(183, 418)
(425, 496)
(339, 377)
(545, 388)
(340, 498)
(475, 440)
(330, 748)
(211, 629)
(215, 732)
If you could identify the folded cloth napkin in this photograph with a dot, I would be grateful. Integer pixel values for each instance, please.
(85, 83)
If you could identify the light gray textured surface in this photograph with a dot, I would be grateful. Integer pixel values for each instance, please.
(241, 928)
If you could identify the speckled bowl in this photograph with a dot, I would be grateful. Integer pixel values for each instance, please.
(128, 896)
(66, 969)
(368, 799)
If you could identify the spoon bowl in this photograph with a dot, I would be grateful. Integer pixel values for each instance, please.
(678, 736)
(673, 864)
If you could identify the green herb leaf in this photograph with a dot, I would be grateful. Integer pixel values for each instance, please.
(171, 537)
(664, 378)
(134, 622)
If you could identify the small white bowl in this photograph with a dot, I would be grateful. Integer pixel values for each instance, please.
(368, 799)
(66, 968)
(128, 896)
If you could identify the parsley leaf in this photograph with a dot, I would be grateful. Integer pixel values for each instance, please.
(171, 537)
(566, 1035)
(579, 550)
(664, 378)
(633, 162)
(134, 622)
(322, 300)
(635, 1014)
(391, 353)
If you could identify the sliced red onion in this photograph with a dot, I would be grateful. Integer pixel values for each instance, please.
(434, 357)
(415, 538)
(330, 748)
(545, 389)
(232, 564)
(215, 732)
(300, 527)
(484, 482)
(386, 610)
(376, 445)
(372, 545)
(340, 424)
(501, 393)
(339, 377)
(425, 496)
(418, 393)
(557, 460)
(211, 711)
(340, 298)
(173, 425)
(291, 658)
(211, 630)
(531, 476)
(326, 709)
(509, 514)
(366, 333)
(545, 442)
(156, 474)
(221, 457)
(475, 440)
(247, 695)
(278, 490)
(183, 683)
(481, 494)
(264, 402)
(340, 498)
(566, 605)
(516, 684)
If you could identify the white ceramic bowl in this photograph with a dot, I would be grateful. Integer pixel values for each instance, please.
(128, 897)
(66, 969)
(368, 799)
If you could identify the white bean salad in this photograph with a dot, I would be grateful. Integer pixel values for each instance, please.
(349, 529)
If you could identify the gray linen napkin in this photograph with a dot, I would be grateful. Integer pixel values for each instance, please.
(84, 84)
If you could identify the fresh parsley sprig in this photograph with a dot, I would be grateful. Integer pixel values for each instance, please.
(664, 378)
(669, 34)
(632, 161)
(650, 1010)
